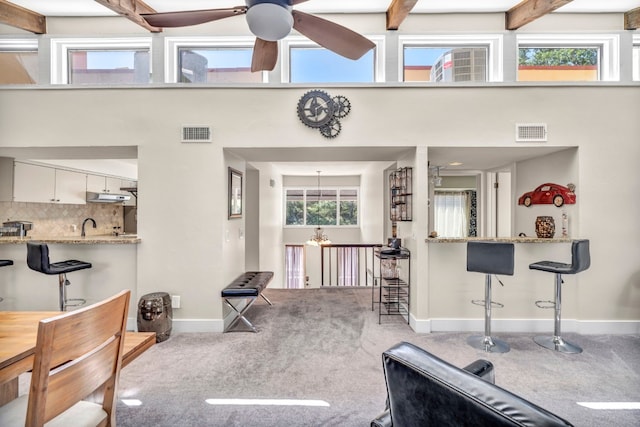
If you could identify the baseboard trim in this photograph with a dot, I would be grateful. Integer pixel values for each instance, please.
(425, 326)
(616, 327)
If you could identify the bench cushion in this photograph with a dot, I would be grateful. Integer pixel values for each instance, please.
(249, 284)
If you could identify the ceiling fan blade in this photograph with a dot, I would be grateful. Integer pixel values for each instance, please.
(265, 55)
(191, 17)
(295, 2)
(332, 36)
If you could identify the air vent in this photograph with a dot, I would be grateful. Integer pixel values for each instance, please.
(196, 134)
(531, 132)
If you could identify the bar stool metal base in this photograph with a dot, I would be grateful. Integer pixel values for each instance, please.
(488, 344)
(65, 302)
(557, 344)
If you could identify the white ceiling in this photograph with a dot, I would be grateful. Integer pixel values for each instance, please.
(92, 8)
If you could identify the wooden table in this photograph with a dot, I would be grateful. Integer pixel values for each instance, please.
(18, 334)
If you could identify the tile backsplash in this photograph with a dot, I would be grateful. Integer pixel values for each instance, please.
(62, 220)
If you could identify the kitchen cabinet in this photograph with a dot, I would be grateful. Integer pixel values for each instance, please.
(6, 179)
(42, 184)
(107, 184)
(103, 184)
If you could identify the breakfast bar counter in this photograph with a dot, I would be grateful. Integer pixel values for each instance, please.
(123, 239)
(113, 268)
(451, 288)
(524, 239)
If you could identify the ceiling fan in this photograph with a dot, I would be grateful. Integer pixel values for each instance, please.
(270, 21)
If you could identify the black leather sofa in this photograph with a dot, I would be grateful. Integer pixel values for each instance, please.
(423, 390)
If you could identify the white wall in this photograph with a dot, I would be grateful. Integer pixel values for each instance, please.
(184, 250)
(184, 235)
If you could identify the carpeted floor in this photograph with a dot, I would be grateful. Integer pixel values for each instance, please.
(326, 345)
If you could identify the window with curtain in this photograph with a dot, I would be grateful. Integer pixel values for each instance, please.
(294, 266)
(452, 213)
(348, 265)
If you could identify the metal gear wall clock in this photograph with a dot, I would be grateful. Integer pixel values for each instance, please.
(318, 110)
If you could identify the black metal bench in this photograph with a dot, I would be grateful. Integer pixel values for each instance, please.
(247, 287)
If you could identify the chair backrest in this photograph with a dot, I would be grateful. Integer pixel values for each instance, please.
(76, 354)
(580, 256)
(424, 390)
(490, 257)
(38, 256)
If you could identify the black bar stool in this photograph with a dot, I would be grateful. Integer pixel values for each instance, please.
(38, 260)
(489, 258)
(5, 263)
(580, 261)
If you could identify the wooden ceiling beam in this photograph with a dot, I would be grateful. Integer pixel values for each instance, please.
(529, 10)
(632, 19)
(398, 11)
(22, 18)
(131, 9)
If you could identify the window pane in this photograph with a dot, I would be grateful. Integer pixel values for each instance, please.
(295, 207)
(109, 66)
(445, 64)
(636, 63)
(558, 63)
(348, 207)
(319, 65)
(216, 65)
(18, 67)
(322, 207)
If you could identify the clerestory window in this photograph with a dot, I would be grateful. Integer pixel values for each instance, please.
(118, 61)
(450, 59)
(568, 58)
(18, 62)
(210, 60)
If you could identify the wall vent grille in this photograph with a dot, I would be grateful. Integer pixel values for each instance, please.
(196, 134)
(531, 132)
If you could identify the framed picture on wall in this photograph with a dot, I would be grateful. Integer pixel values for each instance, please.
(235, 193)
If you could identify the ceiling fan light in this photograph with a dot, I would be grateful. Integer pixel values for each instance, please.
(270, 22)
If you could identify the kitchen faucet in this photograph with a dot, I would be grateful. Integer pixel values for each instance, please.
(83, 224)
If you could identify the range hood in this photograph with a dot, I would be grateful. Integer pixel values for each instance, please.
(93, 197)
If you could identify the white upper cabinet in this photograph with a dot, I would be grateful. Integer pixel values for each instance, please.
(70, 187)
(103, 184)
(41, 184)
(33, 183)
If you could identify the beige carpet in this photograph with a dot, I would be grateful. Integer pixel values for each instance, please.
(325, 345)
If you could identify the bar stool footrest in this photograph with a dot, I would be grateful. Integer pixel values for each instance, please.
(545, 304)
(481, 302)
(74, 302)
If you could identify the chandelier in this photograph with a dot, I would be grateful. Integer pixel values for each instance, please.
(318, 238)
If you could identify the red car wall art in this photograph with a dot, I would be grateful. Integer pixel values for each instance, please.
(549, 193)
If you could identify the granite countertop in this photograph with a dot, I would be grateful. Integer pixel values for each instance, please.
(499, 239)
(126, 239)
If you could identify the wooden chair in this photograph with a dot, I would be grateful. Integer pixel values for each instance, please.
(77, 354)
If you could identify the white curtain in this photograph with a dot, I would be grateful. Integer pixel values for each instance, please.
(451, 211)
(294, 266)
(348, 266)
